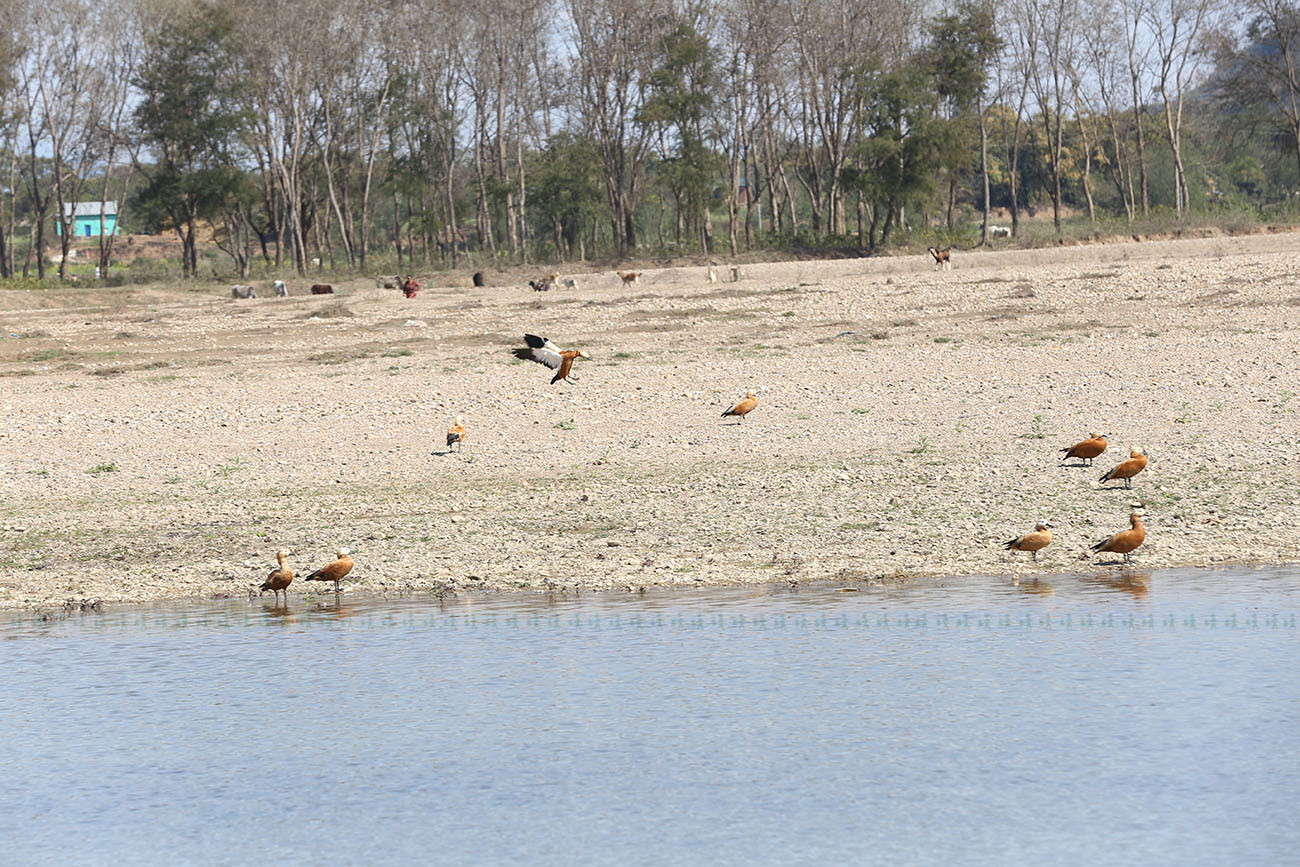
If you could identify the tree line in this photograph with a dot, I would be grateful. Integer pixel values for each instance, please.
(287, 131)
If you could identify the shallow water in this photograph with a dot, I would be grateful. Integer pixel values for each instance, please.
(1092, 719)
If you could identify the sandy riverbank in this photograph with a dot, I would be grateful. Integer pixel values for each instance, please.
(163, 443)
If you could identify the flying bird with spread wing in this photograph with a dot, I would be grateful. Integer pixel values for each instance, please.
(543, 351)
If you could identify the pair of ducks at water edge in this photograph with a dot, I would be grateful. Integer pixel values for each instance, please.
(279, 580)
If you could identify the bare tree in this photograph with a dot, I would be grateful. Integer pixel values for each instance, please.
(1178, 27)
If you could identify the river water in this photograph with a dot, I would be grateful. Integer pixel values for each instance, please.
(1101, 718)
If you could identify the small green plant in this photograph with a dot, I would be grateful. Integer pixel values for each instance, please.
(1186, 416)
(945, 340)
(567, 424)
(172, 480)
(803, 417)
(1036, 431)
(922, 445)
(961, 425)
(623, 356)
(635, 444)
(1283, 400)
(103, 467)
(41, 472)
(398, 353)
(860, 410)
(231, 466)
(1150, 333)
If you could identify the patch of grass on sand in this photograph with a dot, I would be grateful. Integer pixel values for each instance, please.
(49, 355)
(103, 467)
(922, 445)
(398, 353)
(567, 424)
(232, 466)
(339, 356)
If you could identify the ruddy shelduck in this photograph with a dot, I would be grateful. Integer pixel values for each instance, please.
(543, 351)
(336, 571)
(1086, 450)
(744, 408)
(456, 434)
(280, 578)
(1126, 470)
(1126, 541)
(1032, 542)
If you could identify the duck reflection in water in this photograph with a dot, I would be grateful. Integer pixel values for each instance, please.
(338, 609)
(280, 612)
(1135, 584)
(1035, 587)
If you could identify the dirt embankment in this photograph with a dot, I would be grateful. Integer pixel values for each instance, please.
(162, 443)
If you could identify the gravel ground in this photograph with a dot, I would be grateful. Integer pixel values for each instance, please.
(162, 443)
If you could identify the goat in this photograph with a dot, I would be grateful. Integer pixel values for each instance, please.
(713, 274)
(322, 289)
(543, 284)
(735, 274)
(629, 277)
(281, 290)
(569, 282)
(999, 232)
(942, 258)
(243, 292)
(388, 281)
(478, 279)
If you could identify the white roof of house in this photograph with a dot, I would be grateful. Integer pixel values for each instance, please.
(89, 209)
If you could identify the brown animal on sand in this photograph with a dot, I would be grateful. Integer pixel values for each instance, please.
(279, 579)
(335, 571)
(743, 408)
(456, 434)
(1126, 470)
(629, 277)
(322, 289)
(1125, 541)
(543, 351)
(1086, 450)
(942, 258)
(1032, 542)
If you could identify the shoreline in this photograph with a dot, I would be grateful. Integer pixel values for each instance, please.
(1133, 579)
(163, 443)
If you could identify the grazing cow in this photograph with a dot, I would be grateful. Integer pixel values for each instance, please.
(281, 290)
(243, 292)
(387, 281)
(322, 289)
(479, 279)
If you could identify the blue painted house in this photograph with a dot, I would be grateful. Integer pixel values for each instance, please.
(90, 218)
